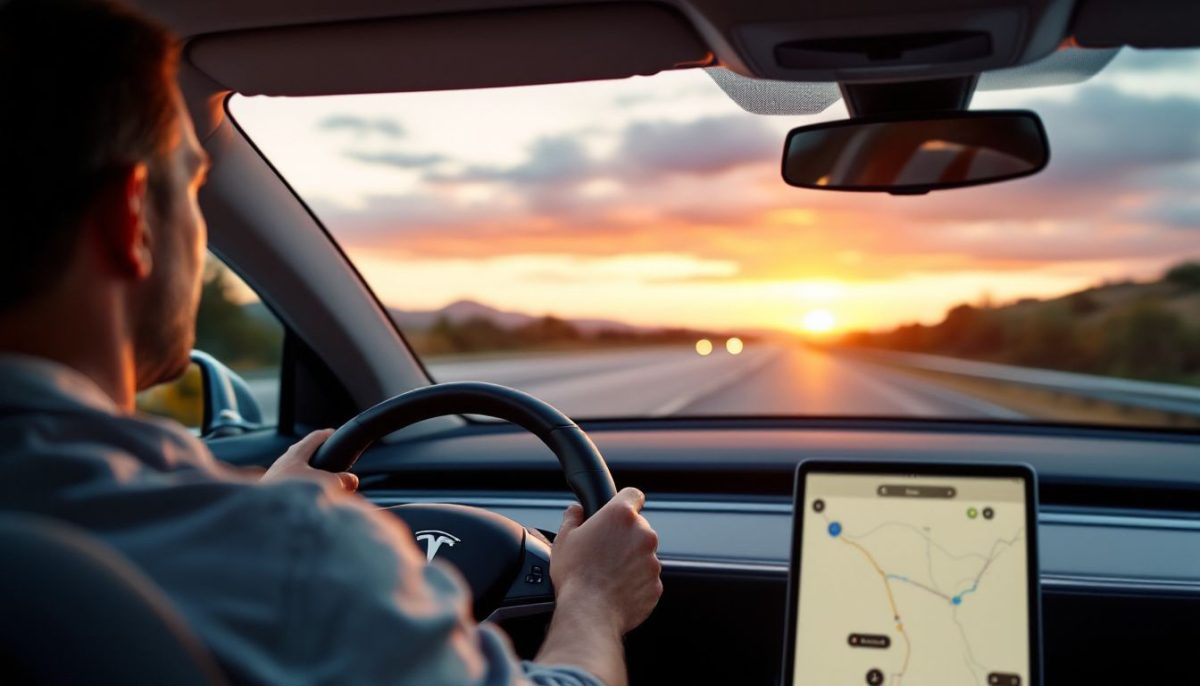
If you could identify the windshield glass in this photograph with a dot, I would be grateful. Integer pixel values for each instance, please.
(628, 249)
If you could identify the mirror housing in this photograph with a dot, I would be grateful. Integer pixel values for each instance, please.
(912, 154)
(229, 406)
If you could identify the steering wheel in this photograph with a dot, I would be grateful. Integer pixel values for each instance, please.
(504, 564)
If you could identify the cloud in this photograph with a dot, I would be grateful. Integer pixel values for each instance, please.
(1106, 134)
(1156, 61)
(1120, 185)
(648, 151)
(706, 146)
(1177, 214)
(363, 126)
(399, 160)
(553, 160)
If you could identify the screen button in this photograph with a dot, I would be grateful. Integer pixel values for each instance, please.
(874, 677)
(869, 641)
(1002, 679)
(903, 491)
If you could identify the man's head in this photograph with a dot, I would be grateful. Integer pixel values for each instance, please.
(101, 170)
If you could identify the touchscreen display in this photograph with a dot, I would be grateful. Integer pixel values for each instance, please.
(912, 580)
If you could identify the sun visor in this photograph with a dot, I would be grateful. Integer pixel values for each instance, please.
(1138, 23)
(452, 51)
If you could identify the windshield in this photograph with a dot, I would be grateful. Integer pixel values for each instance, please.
(628, 249)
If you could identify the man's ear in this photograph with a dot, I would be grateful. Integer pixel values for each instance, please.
(122, 224)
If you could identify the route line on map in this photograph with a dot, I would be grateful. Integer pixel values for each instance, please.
(837, 532)
(891, 600)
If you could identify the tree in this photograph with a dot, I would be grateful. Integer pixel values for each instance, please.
(1185, 276)
(228, 331)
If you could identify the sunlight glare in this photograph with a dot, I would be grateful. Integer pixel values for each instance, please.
(734, 346)
(704, 347)
(818, 321)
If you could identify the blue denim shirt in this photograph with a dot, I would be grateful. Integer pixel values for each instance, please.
(287, 583)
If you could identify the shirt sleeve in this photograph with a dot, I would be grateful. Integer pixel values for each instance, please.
(370, 610)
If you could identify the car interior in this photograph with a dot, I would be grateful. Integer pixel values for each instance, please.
(1117, 504)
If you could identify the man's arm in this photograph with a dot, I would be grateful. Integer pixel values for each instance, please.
(605, 574)
(606, 581)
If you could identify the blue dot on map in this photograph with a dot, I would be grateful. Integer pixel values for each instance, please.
(957, 600)
(834, 529)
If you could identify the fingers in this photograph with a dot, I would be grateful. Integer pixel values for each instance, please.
(631, 496)
(572, 518)
(306, 447)
(302, 450)
(348, 481)
(293, 464)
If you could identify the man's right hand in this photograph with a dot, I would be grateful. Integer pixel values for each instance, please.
(609, 560)
(606, 582)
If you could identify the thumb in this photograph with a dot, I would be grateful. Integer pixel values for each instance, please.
(349, 481)
(572, 518)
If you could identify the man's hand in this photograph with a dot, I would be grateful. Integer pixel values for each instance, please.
(606, 582)
(293, 464)
(609, 561)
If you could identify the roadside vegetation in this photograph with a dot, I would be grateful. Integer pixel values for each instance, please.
(483, 335)
(1138, 330)
(245, 336)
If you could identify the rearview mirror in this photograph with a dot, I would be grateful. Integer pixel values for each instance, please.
(914, 154)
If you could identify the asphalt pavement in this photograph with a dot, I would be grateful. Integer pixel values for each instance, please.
(765, 379)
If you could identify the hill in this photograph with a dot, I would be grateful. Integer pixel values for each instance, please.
(461, 311)
(1144, 330)
(467, 326)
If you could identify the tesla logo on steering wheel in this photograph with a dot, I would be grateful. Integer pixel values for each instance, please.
(434, 540)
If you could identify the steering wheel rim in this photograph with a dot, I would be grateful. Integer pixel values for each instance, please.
(583, 466)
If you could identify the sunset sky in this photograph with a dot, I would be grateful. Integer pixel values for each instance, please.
(658, 201)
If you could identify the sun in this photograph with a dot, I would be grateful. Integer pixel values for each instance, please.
(818, 321)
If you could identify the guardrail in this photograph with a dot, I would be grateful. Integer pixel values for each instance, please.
(1163, 397)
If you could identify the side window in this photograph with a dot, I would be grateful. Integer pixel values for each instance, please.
(234, 326)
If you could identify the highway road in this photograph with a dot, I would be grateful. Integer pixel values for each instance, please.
(765, 379)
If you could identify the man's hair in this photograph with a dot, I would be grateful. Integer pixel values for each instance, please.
(88, 91)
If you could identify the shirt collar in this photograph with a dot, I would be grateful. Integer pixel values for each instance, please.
(36, 383)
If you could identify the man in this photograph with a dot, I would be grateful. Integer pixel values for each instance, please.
(291, 580)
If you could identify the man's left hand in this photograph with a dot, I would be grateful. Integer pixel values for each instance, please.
(293, 464)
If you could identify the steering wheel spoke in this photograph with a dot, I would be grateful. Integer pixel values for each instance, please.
(532, 584)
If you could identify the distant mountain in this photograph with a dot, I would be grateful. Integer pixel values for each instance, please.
(463, 310)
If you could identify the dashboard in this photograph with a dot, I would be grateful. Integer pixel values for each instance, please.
(1117, 510)
(1118, 529)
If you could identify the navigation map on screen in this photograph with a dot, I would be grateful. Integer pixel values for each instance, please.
(913, 580)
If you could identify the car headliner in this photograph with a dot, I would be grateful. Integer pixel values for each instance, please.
(347, 46)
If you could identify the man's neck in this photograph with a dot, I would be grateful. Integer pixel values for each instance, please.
(83, 335)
